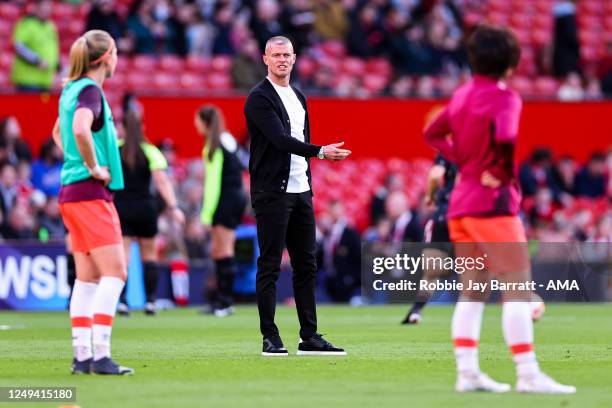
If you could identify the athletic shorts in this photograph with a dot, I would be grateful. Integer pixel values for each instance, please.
(91, 224)
(230, 209)
(487, 229)
(500, 240)
(138, 218)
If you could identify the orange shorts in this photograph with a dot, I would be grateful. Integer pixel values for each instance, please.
(91, 224)
(501, 240)
(487, 229)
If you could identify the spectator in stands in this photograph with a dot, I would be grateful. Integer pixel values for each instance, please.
(402, 87)
(223, 21)
(566, 48)
(298, 19)
(419, 57)
(323, 80)
(8, 188)
(571, 89)
(426, 87)
(140, 27)
(341, 255)
(36, 49)
(103, 16)
(264, 21)
(393, 182)
(397, 45)
(169, 30)
(331, 20)
(406, 226)
(365, 34)
(591, 180)
(18, 224)
(564, 177)
(50, 224)
(536, 172)
(543, 208)
(46, 170)
(199, 33)
(247, 66)
(12, 147)
(593, 90)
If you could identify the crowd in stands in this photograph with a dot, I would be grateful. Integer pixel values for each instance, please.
(345, 47)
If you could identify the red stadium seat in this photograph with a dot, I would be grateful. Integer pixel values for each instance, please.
(10, 11)
(192, 82)
(374, 83)
(219, 82)
(353, 66)
(541, 37)
(221, 63)
(63, 11)
(306, 67)
(6, 32)
(165, 81)
(6, 60)
(380, 66)
(334, 49)
(145, 63)
(171, 63)
(522, 85)
(197, 63)
(137, 81)
(5, 81)
(546, 86)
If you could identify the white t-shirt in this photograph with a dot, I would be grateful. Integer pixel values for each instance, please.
(298, 180)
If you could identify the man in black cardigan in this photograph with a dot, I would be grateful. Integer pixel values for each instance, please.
(277, 120)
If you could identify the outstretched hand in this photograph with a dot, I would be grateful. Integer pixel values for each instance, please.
(489, 180)
(333, 152)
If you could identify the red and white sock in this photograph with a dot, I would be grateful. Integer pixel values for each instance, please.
(465, 331)
(179, 274)
(104, 307)
(518, 332)
(81, 316)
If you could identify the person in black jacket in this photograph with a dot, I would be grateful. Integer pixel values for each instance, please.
(341, 253)
(281, 195)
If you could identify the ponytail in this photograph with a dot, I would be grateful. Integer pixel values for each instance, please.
(79, 59)
(211, 116)
(88, 52)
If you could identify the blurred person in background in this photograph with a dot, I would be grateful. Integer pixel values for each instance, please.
(18, 224)
(224, 202)
(46, 170)
(264, 21)
(566, 47)
(36, 45)
(12, 146)
(592, 178)
(223, 42)
(365, 36)
(298, 19)
(536, 172)
(341, 256)
(50, 224)
(8, 188)
(571, 89)
(331, 20)
(440, 183)
(247, 67)
(393, 182)
(103, 16)
(143, 165)
(406, 226)
(564, 176)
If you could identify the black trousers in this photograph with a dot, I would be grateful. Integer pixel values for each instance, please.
(286, 219)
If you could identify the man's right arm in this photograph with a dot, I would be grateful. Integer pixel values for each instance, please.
(259, 110)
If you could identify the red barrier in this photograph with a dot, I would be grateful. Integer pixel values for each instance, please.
(371, 128)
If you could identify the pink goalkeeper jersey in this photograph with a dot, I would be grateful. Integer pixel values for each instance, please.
(477, 131)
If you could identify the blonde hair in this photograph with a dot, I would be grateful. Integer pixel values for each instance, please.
(88, 52)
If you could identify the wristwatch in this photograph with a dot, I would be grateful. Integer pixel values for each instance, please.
(321, 155)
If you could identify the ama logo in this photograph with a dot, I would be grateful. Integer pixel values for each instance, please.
(33, 277)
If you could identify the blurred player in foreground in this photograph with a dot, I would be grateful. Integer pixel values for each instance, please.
(91, 170)
(478, 131)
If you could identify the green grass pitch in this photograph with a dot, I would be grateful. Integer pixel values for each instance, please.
(183, 359)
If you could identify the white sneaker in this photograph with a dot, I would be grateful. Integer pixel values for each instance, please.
(479, 381)
(542, 384)
(225, 312)
(415, 318)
